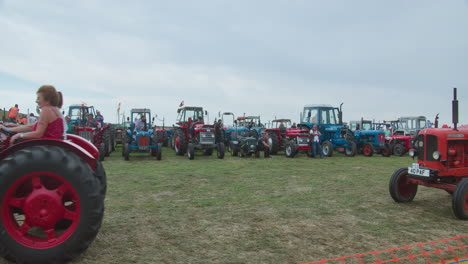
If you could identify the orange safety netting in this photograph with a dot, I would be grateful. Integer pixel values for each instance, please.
(450, 250)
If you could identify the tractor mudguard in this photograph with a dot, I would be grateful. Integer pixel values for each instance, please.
(81, 147)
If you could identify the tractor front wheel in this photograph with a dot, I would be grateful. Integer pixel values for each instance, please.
(368, 150)
(220, 149)
(402, 190)
(180, 144)
(273, 142)
(386, 151)
(351, 150)
(399, 149)
(234, 150)
(460, 200)
(290, 150)
(126, 151)
(190, 151)
(327, 148)
(51, 205)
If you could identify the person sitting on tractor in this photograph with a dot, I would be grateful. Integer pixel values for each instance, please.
(315, 141)
(294, 125)
(99, 118)
(91, 122)
(263, 145)
(51, 123)
(140, 124)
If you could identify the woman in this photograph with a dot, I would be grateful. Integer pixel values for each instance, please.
(50, 124)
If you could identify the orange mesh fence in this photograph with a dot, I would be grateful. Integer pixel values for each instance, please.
(450, 250)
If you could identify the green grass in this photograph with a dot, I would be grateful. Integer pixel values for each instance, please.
(250, 210)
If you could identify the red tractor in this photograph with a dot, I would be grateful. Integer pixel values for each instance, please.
(52, 198)
(291, 140)
(442, 162)
(193, 134)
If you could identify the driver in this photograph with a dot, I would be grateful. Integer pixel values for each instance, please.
(50, 124)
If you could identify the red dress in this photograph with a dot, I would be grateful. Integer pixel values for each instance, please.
(54, 130)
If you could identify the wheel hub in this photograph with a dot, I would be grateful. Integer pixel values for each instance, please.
(43, 208)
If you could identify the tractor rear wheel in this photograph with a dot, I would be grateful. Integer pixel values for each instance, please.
(220, 149)
(100, 174)
(460, 200)
(386, 151)
(107, 142)
(398, 149)
(401, 190)
(273, 142)
(191, 151)
(327, 148)
(290, 150)
(368, 150)
(180, 144)
(102, 151)
(51, 205)
(351, 150)
(159, 152)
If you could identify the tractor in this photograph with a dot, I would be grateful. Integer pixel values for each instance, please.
(404, 131)
(52, 198)
(245, 144)
(146, 139)
(191, 133)
(369, 140)
(292, 140)
(329, 120)
(102, 136)
(442, 162)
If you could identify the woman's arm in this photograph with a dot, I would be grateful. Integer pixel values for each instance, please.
(16, 129)
(44, 119)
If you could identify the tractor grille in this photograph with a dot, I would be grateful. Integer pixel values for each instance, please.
(420, 147)
(85, 135)
(302, 141)
(207, 138)
(431, 146)
(143, 142)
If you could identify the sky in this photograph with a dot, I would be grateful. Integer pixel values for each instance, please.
(382, 59)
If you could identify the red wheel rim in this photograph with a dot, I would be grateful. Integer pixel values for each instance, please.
(41, 210)
(405, 188)
(367, 150)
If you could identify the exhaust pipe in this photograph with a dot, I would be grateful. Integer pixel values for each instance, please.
(455, 109)
(340, 115)
(436, 121)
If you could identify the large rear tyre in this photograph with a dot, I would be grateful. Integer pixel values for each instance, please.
(368, 150)
(401, 190)
(273, 142)
(290, 150)
(100, 174)
(234, 150)
(399, 149)
(221, 150)
(351, 150)
(159, 152)
(52, 206)
(102, 151)
(190, 151)
(180, 144)
(460, 200)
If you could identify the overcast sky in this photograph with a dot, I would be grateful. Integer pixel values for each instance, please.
(383, 59)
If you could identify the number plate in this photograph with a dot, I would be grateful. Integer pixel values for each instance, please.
(415, 170)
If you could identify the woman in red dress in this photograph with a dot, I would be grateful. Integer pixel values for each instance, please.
(50, 124)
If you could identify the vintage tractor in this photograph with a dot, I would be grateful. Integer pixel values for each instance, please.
(292, 140)
(142, 139)
(442, 162)
(102, 136)
(329, 120)
(191, 133)
(404, 131)
(369, 140)
(245, 144)
(52, 198)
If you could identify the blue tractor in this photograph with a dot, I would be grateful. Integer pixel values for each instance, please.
(234, 127)
(329, 120)
(369, 139)
(144, 139)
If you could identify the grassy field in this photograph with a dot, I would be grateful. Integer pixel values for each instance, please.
(249, 210)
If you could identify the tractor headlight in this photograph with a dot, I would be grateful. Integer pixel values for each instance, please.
(436, 155)
(412, 152)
